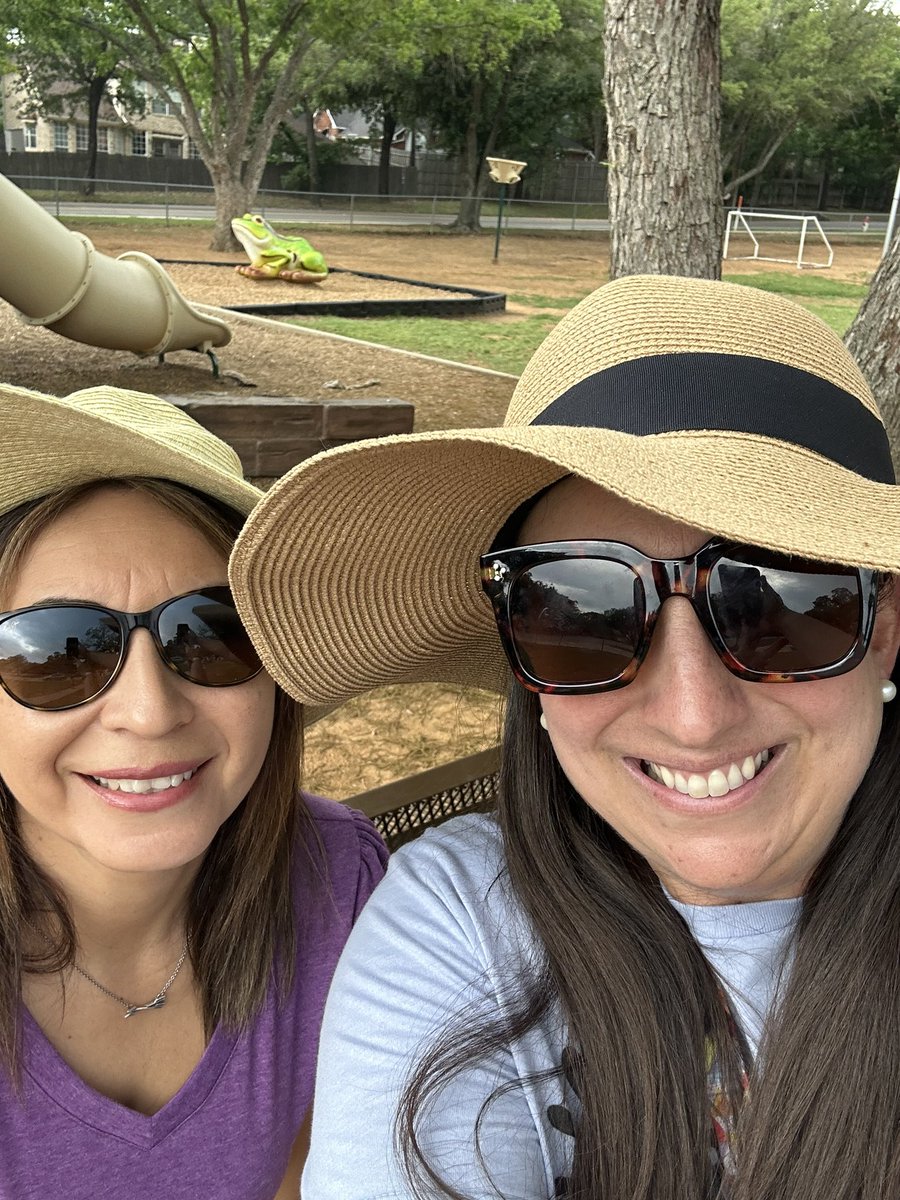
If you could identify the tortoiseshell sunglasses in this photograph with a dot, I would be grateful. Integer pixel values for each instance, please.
(577, 617)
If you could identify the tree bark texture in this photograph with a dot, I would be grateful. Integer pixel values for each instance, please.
(389, 128)
(661, 83)
(95, 95)
(874, 341)
(233, 198)
(312, 156)
(474, 168)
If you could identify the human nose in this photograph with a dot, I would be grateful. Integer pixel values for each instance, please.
(146, 697)
(688, 692)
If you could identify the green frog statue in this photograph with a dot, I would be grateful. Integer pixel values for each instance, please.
(275, 257)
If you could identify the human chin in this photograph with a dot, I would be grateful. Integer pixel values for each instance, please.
(115, 839)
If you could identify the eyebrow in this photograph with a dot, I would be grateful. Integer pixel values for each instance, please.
(77, 600)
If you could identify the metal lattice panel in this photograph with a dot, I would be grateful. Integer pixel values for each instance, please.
(407, 821)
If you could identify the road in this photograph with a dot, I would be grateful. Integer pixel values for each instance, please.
(318, 216)
(831, 224)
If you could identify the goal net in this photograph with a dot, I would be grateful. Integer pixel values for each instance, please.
(780, 229)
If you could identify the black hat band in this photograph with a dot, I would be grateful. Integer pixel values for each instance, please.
(670, 393)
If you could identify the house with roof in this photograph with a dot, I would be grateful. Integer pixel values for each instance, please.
(156, 132)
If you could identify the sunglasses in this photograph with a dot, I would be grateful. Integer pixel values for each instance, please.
(577, 617)
(59, 655)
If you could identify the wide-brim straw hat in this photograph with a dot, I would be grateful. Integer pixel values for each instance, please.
(51, 442)
(723, 407)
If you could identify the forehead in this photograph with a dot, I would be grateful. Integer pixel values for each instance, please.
(574, 509)
(115, 547)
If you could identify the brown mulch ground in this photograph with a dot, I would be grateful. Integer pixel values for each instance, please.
(400, 730)
(279, 362)
(218, 285)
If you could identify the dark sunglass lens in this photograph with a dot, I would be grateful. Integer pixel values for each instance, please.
(54, 658)
(786, 619)
(204, 640)
(576, 621)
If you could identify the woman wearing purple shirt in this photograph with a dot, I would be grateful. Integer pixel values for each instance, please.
(172, 907)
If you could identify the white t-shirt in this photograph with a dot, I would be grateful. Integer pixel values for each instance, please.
(442, 935)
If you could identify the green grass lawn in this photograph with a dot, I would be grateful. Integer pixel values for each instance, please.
(533, 301)
(500, 345)
(835, 301)
(507, 345)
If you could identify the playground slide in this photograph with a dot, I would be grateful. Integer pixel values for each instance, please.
(55, 277)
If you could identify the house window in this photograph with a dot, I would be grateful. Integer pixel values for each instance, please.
(103, 140)
(166, 106)
(30, 128)
(165, 147)
(193, 152)
(81, 137)
(60, 135)
(139, 143)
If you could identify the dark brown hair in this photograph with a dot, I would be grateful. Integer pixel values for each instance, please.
(240, 915)
(640, 1001)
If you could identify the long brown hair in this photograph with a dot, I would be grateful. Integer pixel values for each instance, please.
(240, 915)
(640, 1001)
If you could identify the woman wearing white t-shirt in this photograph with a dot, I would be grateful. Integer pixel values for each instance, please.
(670, 968)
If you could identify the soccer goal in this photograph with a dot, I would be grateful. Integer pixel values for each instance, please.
(740, 219)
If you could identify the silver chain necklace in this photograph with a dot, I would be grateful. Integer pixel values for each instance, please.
(130, 1009)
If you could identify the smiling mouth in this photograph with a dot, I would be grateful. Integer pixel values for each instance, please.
(144, 786)
(718, 782)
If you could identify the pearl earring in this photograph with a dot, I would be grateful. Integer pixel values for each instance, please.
(544, 720)
(888, 691)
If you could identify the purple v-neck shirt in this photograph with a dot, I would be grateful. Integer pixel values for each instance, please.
(227, 1133)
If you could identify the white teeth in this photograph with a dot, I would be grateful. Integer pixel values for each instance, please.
(735, 778)
(719, 782)
(143, 786)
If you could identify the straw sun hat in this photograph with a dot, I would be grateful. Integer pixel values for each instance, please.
(724, 407)
(47, 442)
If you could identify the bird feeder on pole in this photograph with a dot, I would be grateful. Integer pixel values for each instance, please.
(503, 171)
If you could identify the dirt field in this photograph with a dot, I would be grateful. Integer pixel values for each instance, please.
(401, 730)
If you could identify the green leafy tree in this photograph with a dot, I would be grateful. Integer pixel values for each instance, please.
(232, 67)
(789, 64)
(47, 54)
(467, 86)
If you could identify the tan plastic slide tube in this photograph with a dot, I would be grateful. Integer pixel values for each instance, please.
(55, 277)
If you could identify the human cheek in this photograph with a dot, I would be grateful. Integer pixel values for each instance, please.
(840, 720)
(34, 748)
(248, 725)
(581, 730)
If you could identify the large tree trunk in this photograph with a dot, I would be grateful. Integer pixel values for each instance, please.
(468, 216)
(874, 341)
(661, 82)
(95, 95)
(389, 128)
(233, 199)
(475, 174)
(312, 155)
